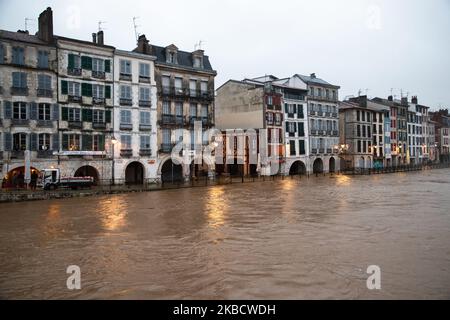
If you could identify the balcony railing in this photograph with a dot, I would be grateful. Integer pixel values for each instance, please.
(99, 125)
(166, 147)
(145, 152)
(314, 150)
(329, 151)
(126, 126)
(145, 103)
(20, 122)
(98, 74)
(17, 154)
(73, 98)
(22, 91)
(75, 124)
(168, 119)
(44, 93)
(126, 152)
(145, 127)
(144, 79)
(125, 77)
(74, 71)
(44, 123)
(126, 101)
(99, 101)
(321, 150)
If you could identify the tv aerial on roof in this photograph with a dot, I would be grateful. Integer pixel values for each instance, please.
(135, 26)
(27, 20)
(100, 23)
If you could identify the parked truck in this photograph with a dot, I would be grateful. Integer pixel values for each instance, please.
(50, 179)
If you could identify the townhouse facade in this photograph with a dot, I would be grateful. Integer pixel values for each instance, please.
(136, 149)
(185, 97)
(29, 111)
(441, 119)
(418, 149)
(323, 116)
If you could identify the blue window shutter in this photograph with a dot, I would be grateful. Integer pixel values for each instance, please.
(7, 109)
(33, 111)
(55, 142)
(8, 141)
(55, 112)
(33, 141)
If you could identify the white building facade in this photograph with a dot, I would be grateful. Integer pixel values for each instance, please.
(135, 147)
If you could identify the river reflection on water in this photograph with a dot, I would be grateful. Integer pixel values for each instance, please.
(291, 239)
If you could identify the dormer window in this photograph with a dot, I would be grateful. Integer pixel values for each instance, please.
(197, 62)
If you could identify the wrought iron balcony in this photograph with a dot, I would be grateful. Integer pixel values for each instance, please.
(99, 125)
(145, 127)
(126, 101)
(144, 79)
(145, 103)
(125, 77)
(20, 122)
(166, 147)
(99, 101)
(145, 152)
(17, 154)
(44, 93)
(19, 91)
(167, 119)
(75, 124)
(126, 153)
(73, 98)
(126, 126)
(74, 71)
(98, 74)
(44, 123)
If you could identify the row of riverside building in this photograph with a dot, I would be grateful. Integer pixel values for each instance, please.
(91, 109)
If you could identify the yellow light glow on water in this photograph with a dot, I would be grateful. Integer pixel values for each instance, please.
(216, 206)
(343, 180)
(114, 213)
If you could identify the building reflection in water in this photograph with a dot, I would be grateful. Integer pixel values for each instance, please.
(53, 227)
(216, 206)
(113, 211)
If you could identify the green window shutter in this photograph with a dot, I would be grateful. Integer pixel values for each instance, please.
(86, 141)
(86, 63)
(86, 115)
(108, 92)
(86, 89)
(107, 65)
(64, 87)
(71, 58)
(101, 143)
(64, 113)
(65, 142)
(108, 116)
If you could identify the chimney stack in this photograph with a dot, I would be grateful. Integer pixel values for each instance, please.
(390, 98)
(313, 75)
(45, 32)
(143, 45)
(414, 100)
(94, 37)
(100, 37)
(404, 101)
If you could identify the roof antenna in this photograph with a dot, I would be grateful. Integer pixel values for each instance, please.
(100, 25)
(198, 46)
(136, 33)
(359, 92)
(26, 23)
(367, 90)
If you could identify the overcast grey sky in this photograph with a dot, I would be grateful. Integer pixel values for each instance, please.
(357, 44)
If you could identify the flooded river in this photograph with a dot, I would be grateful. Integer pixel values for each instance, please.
(291, 239)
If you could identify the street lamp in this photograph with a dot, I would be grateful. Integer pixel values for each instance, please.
(113, 144)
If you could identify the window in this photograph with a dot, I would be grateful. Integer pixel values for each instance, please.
(74, 89)
(145, 118)
(125, 92)
(358, 117)
(179, 108)
(166, 136)
(125, 67)
(204, 87)
(98, 116)
(205, 111)
(74, 62)
(172, 57)
(42, 59)
(302, 146)
(44, 141)
(269, 117)
(125, 141)
(44, 82)
(277, 118)
(144, 94)
(44, 111)
(19, 79)
(2, 53)
(73, 142)
(269, 100)
(319, 92)
(125, 116)
(145, 142)
(20, 141)
(193, 110)
(193, 87)
(144, 70)
(197, 62)
(98, 65)
(363, 116)
(20, 110)
(166, 107)
(292, 147)
(359, 146)
(98, 142)
(165, 81)
(301, 129)
(98, 91)
(358, 130)
(74, 115)
(18, 55)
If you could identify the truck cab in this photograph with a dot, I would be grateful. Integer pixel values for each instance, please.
(49, 179)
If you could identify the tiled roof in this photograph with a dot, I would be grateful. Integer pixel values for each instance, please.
(314, 80)
(20, 36)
